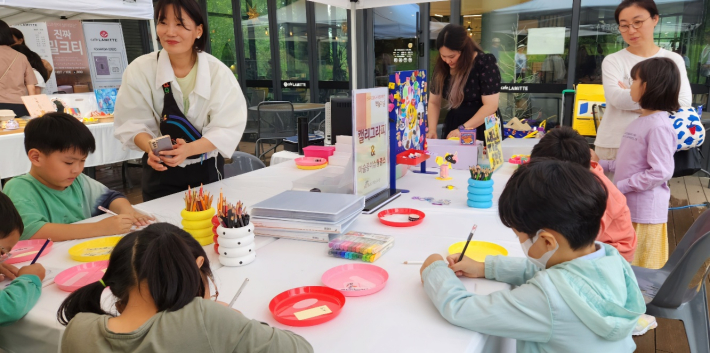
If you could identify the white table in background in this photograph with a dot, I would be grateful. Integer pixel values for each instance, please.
(400, 318)
(510, 148)
(14, 162)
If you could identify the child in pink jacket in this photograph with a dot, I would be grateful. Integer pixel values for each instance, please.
(564, 143)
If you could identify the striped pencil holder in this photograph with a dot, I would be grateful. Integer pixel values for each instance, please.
(480, 193)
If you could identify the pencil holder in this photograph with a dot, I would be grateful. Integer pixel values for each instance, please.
(480, 193)
(199, 225)
(236, 245)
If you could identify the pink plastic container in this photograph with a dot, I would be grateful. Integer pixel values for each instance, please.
(319, 151)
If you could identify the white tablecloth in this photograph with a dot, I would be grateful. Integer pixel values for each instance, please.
(510, 147)
(399, 318)
(13, 159)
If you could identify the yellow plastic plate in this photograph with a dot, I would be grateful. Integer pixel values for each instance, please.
(311, 167)
(478, 250)
(197, 216)
(94, 250)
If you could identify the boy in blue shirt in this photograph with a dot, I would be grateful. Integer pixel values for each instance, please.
(55, 193)
(573, 294)
(22, 294)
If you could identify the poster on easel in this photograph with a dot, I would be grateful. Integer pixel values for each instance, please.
(408, 108)
(71, 64)
(106, 52)
(493, 135)
(371, 141)
(37, 39)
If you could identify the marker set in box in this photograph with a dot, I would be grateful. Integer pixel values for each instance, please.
(360, 246)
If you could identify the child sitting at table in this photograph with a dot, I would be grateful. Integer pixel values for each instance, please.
(644, 163)
(566, 144)
(22, 293)
(159, 277)
(573, 294)
(55, 193)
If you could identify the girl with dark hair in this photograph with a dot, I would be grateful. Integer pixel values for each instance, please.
(637, 20)
(467, 78)
(159, 277)
(644, 163)
(20, 40)
(185, 93)
(16, 76)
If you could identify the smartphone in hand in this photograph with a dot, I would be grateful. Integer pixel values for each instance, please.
(162, 143)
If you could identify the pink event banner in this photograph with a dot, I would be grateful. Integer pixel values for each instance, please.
(71, 64)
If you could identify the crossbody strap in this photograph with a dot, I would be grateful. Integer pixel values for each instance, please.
(8, 68)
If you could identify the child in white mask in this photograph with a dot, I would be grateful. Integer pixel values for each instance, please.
(573, 294)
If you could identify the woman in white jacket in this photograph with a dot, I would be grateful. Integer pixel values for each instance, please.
(637, 20)
(185, 93)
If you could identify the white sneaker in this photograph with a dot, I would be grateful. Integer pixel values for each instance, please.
(644, 324)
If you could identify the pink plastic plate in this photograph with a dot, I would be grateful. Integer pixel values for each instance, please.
(76, 277)
(26, 250)
(356, 280)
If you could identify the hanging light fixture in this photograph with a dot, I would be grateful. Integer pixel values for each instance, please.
(266, 32)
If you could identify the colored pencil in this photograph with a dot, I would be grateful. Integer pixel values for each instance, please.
(40, 251)
(238, 292)
(470, 235)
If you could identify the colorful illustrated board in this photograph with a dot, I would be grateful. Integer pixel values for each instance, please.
(106, 99)
(493, 141)
(408, 107)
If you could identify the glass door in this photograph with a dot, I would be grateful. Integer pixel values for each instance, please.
(257, 51)
(396, 40)
(293, 50)
(332, 42)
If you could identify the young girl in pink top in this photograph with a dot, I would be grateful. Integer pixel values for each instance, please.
(644, 163)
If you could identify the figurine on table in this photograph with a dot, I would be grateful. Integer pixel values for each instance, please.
(444, 165)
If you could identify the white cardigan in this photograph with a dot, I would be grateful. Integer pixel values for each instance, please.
(620, 109)
(217, 105)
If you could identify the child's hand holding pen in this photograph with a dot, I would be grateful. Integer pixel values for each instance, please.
(466, 267)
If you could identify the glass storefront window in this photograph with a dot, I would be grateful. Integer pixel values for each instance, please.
(257, 50)
(530, 40)
(680, 29)
(221, 28)
(332, 39)
(439, 17)
(293, 47)
(396, 43)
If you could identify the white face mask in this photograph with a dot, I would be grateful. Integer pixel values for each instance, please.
(541, 263)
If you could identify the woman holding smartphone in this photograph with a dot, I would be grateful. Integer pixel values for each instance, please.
(185, 93)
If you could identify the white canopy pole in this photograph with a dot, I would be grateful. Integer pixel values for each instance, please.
(353, 43)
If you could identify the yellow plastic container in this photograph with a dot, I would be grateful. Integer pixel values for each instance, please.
(94, 250)
(204, 241)
(199, 225)
(197, 216)
(478, 250)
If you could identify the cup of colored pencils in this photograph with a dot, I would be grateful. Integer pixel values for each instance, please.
(197, 215)
(480, 187)
(234, 235)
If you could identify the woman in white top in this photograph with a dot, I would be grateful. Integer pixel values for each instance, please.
(185, 93)
(636, 19)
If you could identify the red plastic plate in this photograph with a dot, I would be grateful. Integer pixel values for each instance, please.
(284, 305)
(404, 212)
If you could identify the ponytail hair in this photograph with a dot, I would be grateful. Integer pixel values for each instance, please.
(163, 255)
